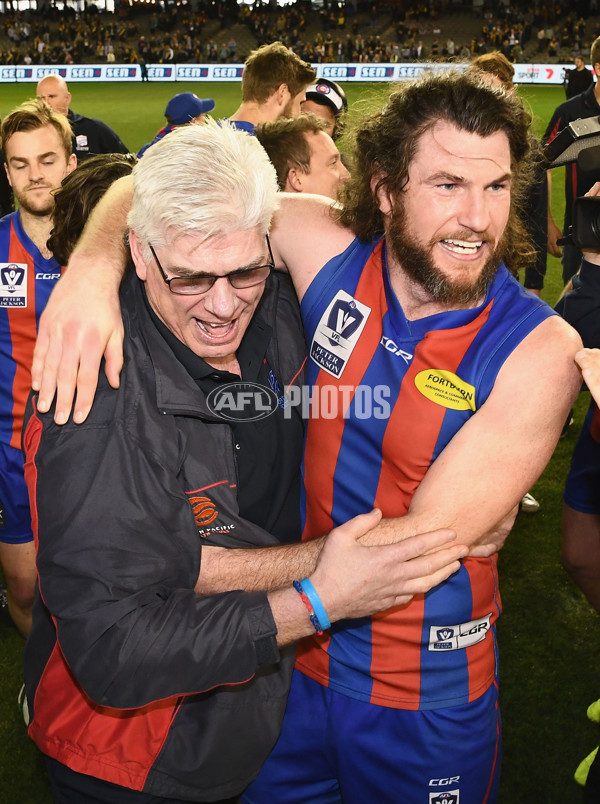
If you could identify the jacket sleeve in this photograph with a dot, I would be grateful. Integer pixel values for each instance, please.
(580, 307)
(556, 124)
(118, 555)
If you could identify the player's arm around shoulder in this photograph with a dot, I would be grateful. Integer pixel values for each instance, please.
(305, 235)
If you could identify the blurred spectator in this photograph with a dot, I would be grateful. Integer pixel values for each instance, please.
(578, 79)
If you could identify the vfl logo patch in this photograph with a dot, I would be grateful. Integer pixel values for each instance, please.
(455, 637)
(446, 389)
(204, 510)
(449, 797)
(13, 284)
(337, 333)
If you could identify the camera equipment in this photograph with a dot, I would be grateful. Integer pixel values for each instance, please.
(580, 142)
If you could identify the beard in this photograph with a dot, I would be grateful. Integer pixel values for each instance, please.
(417, 262)
(41, 209)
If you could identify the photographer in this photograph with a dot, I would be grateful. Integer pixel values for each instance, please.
(581, 507)
(577, 182)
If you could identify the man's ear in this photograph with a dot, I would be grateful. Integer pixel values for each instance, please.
(381, 193)
(294, 180)
(137, 255)
(282, 94)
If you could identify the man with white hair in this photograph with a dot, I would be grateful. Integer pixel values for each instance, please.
(148, 680)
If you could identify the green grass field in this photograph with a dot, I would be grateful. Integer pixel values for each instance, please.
(548, 634)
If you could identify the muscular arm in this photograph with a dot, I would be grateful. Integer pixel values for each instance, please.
(353, 580)
(501, 451)
(305, 235)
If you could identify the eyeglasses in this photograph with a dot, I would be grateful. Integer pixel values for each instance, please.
(196, 284)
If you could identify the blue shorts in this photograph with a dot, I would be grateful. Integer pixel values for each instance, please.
(582, 489)
(15, 515)
(333, 748)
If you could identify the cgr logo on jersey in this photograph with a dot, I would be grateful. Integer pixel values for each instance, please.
(392, 347)
(449, 797)
(13, 284)
(337, 333)
(455, 637)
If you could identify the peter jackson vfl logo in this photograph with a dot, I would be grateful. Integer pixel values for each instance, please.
(337, 333)
(13, 284)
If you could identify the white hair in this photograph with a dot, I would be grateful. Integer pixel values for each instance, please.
(202, 180)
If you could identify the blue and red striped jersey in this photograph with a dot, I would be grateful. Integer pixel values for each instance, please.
(26, 281)
(391, 393)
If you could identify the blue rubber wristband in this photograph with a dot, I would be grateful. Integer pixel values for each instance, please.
(311, 594)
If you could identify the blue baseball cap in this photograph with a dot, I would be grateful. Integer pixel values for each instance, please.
(186, 106)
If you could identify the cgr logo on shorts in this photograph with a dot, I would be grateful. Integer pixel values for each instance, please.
(13, 284)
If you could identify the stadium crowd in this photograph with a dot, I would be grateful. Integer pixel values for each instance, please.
(203, 32)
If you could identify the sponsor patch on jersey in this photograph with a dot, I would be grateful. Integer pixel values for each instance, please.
(446, 389)
(447, 797)
(337, 333)
(456, 637)
(13, 284)
(81, 142)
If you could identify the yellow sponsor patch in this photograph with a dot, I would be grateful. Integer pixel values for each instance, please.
(446, 389)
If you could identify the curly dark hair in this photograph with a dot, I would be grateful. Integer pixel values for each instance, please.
(386, 143)
(78, 194)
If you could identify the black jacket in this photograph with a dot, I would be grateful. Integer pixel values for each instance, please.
(581, 305)
(130, 676)
(91, 136)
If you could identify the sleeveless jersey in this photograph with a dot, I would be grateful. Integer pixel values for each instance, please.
(387, 395)
(26, 280)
